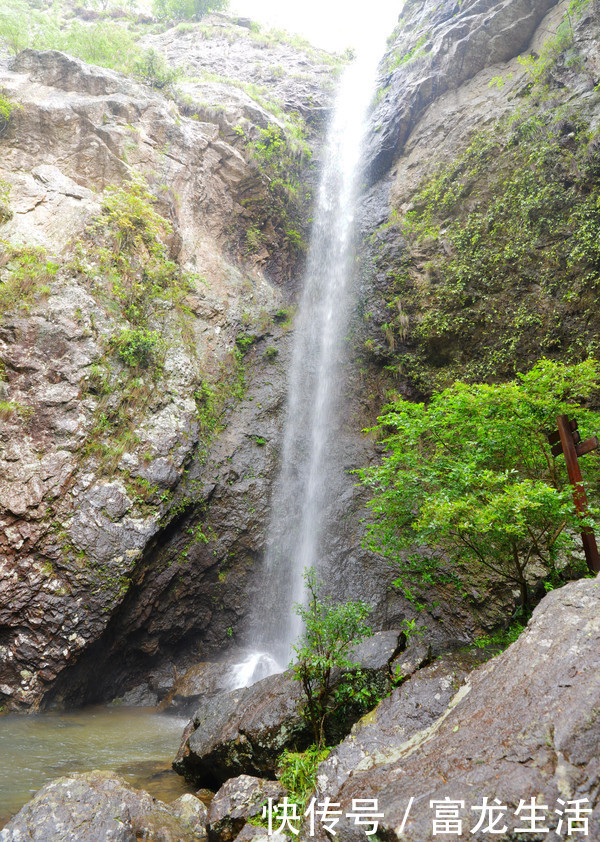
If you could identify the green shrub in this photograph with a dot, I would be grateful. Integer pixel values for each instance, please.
(297, 771)
(468, 485)
(331, 631)
(27, 272)
(244, 341)
(7, 106)
(187, 9)
(271, 354)
(138, 347)
(152, 69)
(104, 43)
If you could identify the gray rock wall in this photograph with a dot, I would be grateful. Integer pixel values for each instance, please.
(104, 474)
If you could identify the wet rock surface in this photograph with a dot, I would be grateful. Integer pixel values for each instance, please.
(449, 49)
(410, 708)
(525, 725)
(200, 682)
(100, 806)
(244, 731)
(238, 800)
(77, 543)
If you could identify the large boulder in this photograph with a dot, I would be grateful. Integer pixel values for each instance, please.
(102, 807)
(243, 732)
(238, 800)
(524, 726)
(410, 708)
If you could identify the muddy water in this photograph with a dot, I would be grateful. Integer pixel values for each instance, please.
(137, 743)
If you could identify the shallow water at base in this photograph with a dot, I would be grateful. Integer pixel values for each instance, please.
(137, 743)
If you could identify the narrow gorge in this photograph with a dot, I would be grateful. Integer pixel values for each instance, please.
(230, 264)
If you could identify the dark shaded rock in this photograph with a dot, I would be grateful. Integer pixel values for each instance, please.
(102, 807)
(414, 657)
(243, 732)
(238, 800)
(376, 652)
(525, 725)
(140, 696)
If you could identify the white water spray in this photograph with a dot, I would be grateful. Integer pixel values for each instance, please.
(300, 500)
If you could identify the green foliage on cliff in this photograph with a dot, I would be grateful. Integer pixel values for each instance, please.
(187, 9)
(280, 157)
(103, 42)
(330, 632)
(505, 246)
(470, 479)
(25, 272)
(126, 256)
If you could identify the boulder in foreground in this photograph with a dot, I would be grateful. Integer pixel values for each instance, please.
(102, 807)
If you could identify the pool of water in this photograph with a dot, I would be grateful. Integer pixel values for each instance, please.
(137, 743)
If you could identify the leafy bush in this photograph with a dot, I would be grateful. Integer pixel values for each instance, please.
(104, 43)
(7, 106)
(27, 272)
(129, 250)
(468, 481)
(138, 347)
(330, 633)
(187, 9)
(152, 69)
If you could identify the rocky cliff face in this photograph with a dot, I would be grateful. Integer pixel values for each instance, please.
(483, 158)
(150, 255)
(136, 231)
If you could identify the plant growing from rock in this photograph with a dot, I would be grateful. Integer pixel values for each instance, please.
(297, 771)
(187, 9)
(468, 483)
(323, 655)
(26, 272)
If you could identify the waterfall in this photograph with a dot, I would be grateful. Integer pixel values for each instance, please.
(299, 505)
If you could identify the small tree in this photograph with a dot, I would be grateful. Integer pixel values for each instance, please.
(187, 9)
(330, 633)
(470, 479)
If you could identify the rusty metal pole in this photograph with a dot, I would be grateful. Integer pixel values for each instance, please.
(579, 496)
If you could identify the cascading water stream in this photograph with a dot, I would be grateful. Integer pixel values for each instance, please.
(299, 505)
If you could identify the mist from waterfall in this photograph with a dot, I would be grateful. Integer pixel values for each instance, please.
(299, 504)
